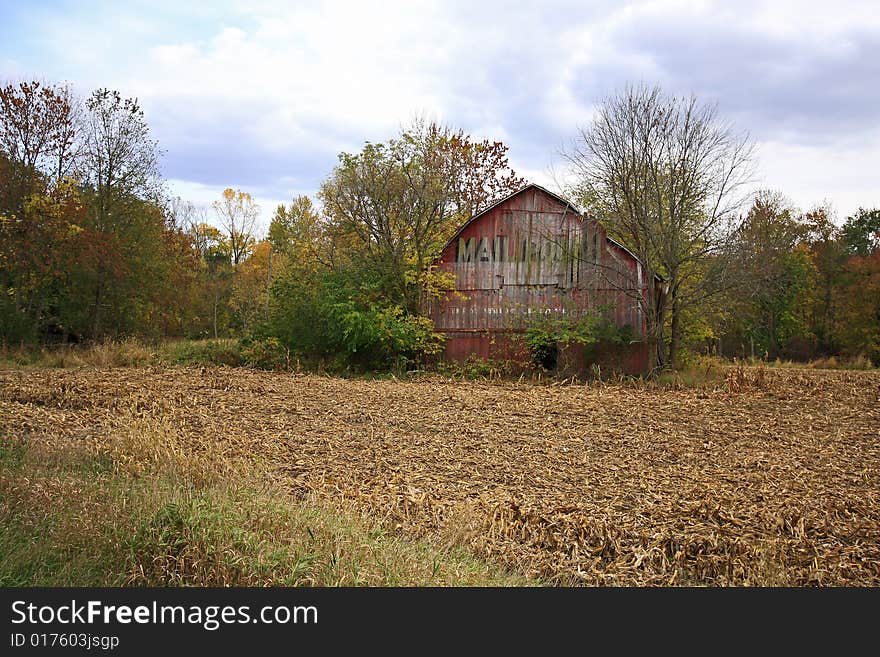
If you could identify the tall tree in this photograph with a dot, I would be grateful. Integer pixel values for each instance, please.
(861, 232)
(295, 227)
(828, 254)
(120, 168)
(237, 213)
(399, 201)
(859, 310)
(666, 175)
(250, 289)
(776, 276)
(215, 260)
(858, 319)
(38, 124)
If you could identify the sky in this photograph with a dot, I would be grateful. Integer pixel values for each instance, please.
(263, 96)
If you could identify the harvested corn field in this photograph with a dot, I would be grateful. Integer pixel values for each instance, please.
(766, 478)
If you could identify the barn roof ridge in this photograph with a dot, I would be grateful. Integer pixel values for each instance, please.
(554, 195)
(494, 205)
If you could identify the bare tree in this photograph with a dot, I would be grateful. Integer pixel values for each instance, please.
(667, 177)
(38, 125)
(192, 220)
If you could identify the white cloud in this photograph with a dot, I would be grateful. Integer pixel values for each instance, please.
(809, 176)
(263, 97)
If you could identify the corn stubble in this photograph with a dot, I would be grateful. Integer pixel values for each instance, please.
(763, 478)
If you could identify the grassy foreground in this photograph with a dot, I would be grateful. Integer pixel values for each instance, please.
(135, 515)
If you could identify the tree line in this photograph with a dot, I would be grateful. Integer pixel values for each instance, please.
(86, 248)
(92, 247)
(743, 272)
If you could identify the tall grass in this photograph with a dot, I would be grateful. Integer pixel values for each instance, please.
(858, 362)
(130, 352)
(696, 371)
(122, 353)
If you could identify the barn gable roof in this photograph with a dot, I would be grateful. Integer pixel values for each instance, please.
(488, 209)
(546, 191)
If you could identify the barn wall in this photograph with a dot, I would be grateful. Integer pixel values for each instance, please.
(508, 345)
(529, 256)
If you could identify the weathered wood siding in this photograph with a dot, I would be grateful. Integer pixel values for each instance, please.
(532, 254)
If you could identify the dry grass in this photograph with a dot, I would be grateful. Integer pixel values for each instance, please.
(148, 506)
(830, 363)
(120, 353)
(767, 477)
(129, 352)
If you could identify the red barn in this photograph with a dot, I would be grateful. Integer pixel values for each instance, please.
(534, 254)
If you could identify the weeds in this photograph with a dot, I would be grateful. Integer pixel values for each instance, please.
(146, 510)
(829, 363)
(270, 354)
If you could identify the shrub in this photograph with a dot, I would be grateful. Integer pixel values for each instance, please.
(266, 353)
(546, 335)
(342, 316)
(206, 352)
(380, 338)
(475, 367)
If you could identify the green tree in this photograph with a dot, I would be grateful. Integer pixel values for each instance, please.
(777, 277)
(120, 167)
(398, 202)
(861, 232)
(859, 311)
(828, 252)
(296, 228)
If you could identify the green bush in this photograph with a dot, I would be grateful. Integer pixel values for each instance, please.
(546, 335)
(341, 316)
(381, 338)
(206, 352)
(267, 353)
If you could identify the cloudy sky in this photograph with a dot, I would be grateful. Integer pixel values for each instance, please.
(262, 96)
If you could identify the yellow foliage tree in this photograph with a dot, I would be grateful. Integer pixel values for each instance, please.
(237, 213)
